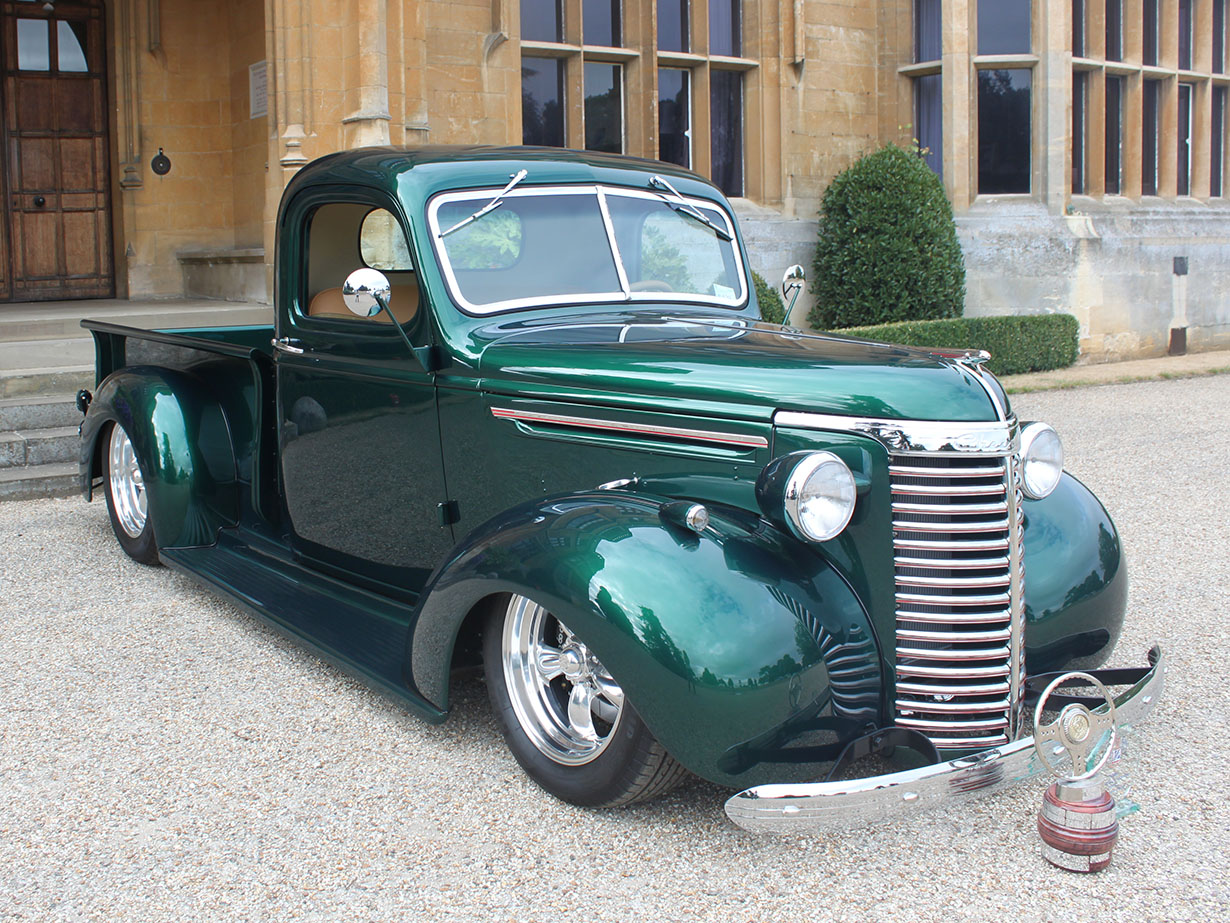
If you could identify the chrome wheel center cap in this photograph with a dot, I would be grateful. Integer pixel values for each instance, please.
(572, 662)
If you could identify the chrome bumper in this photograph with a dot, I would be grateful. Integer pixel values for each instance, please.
(827, 806)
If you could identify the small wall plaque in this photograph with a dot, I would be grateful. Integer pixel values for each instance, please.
(161, 164)
(258, 90)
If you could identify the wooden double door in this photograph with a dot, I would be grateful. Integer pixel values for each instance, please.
(55, 238)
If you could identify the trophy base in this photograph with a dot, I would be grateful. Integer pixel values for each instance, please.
(1078, 826)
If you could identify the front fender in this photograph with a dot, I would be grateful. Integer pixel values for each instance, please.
(1075, 580)
(744, 651)
(182, 443)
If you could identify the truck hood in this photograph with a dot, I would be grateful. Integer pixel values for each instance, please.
(702, 359)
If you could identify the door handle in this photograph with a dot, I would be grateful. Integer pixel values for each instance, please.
(39, 201)
(287, 345)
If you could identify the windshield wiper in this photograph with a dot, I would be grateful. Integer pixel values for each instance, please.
(687, 208)
(493, 204)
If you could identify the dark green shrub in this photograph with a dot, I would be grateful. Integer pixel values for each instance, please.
(771, 307)
(888, 248)
(1017, 344)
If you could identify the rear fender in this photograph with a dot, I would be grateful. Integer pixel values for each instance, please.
(736, 646)
(183, 444)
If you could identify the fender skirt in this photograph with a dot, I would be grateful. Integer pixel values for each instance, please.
(744, 651)
(182, 442)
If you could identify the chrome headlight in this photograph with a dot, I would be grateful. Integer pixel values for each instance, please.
(819, 496)
(1041, 460)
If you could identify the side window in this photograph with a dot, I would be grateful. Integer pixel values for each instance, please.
(345, 236)
(382, 244)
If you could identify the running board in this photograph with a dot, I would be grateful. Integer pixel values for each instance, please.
(361, 633)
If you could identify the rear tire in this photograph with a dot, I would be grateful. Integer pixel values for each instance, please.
(127, 500)
(564, 717)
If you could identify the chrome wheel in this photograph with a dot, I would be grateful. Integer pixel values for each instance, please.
(566, 702)
(126, 484)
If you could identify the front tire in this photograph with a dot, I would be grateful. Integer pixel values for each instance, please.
(127, 499)
(564, 717)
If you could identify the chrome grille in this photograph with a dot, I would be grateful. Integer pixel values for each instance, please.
(957, 556)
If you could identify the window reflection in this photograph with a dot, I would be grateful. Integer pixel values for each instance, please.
(1003, 130)
(33, 47)
(1148, 155)
(1114, 133)
(724, 28)
(927, 31)
(70, 47)
(542, 101)
(673, 25)
(726, 130)
(1003, 26)
(929, 120)
(604, 107)
(674, 116)
(600, 20)
(542, 20)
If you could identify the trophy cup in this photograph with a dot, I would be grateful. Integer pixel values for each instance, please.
(1077, 823)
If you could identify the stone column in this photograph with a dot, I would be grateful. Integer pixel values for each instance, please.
(1053, 94)
(367, 75)
(959, 94)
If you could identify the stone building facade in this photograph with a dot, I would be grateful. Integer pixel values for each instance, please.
(1082, 142)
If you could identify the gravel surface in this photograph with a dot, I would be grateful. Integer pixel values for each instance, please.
(167, 757)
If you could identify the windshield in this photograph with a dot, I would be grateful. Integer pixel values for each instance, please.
(560, 245)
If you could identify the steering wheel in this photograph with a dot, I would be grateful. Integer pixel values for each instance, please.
(651, 285)
(1073, 737)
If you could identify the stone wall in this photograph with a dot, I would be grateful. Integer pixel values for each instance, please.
(1111, 265)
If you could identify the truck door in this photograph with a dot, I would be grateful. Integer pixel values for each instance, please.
(361, 467)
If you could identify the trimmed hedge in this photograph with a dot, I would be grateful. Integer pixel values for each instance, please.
(888, 248)
(771, 307)
(1017, 344)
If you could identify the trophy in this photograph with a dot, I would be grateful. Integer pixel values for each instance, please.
(1078, 822)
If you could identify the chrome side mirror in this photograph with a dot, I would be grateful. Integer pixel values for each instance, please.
(366, 291)
(792, 284)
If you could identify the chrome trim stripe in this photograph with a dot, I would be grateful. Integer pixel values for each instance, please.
(913, 471)
(1016, 554)
(948, 582)
(923, 599)
(923, 544)
(955, 618)
(639, 429)
(936, 689)
(819, 807)
(940, 637)
(943, 528)
(1000, 705)
(948, 490)
(916, 437)
(956, 673)
(954, 564)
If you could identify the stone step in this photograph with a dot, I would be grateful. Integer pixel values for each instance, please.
(41, 354)
(40, 411)
(29, 448)
(33, 382)
(31, 481)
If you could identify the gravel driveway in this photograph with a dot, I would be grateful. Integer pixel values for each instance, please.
(166, 757)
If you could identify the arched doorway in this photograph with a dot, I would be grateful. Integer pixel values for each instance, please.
(56, 237)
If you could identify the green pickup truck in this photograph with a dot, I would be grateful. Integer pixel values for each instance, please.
(520, 409)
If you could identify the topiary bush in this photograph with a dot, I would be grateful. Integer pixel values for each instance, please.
(888, 248)
(1017, 344)
(771, 307)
